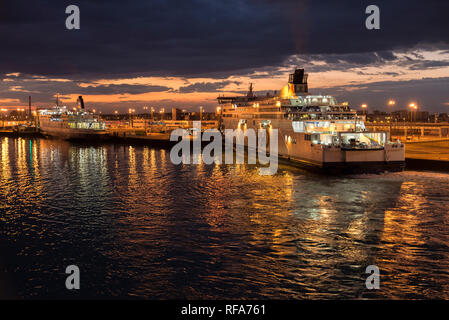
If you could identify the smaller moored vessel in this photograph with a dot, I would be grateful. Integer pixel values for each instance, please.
(76, 124)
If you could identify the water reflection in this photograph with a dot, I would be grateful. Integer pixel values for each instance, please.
(140, 226)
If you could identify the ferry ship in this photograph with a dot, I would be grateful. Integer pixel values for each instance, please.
(313, 130)
(75, 124)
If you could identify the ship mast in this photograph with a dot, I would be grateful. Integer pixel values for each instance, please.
(250, 93)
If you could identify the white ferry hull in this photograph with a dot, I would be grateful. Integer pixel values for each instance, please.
(297, 150)
(73, 134)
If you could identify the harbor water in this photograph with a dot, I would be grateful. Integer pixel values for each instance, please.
(138, 226)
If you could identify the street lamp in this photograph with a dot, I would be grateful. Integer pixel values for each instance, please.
(162, 112)
(413, 108)
(364, 106)
(3, 116)
(391, 103)
(130, 111)
(145, 117)
(20, 115)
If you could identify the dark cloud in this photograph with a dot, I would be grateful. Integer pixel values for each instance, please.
(198, 37)
(341, 62)
(43, 90)
(394, 74)
(431, 94)
(407, 60)
(205, 86)
(120, 89)
(428, 64)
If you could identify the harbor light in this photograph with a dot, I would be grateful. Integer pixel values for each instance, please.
(413, 106)
(364, 106)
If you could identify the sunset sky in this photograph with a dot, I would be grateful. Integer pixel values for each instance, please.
(185, 53)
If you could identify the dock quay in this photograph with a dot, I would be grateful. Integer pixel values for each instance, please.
(412, 131)
(144, 130)
(426, 144)
(428, 155)
(20, 133)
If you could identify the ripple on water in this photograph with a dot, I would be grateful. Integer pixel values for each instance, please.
(139, 226)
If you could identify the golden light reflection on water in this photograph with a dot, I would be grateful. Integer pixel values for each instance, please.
(132, 164)
(21, 161)
(33, 170)
(191, 229)
(6, 169)
(34, 159)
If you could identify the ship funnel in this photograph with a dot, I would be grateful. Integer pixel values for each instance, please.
(80, 102)
(298, 80)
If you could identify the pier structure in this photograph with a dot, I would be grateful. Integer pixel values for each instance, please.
(148, 129)
(412, 131)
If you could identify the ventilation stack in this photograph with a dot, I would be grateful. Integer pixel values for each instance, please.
(298, 81)
(80, 102)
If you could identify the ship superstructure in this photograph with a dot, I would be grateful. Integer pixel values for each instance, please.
(313, 130)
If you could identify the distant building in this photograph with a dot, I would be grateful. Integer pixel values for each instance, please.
(443, 117)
